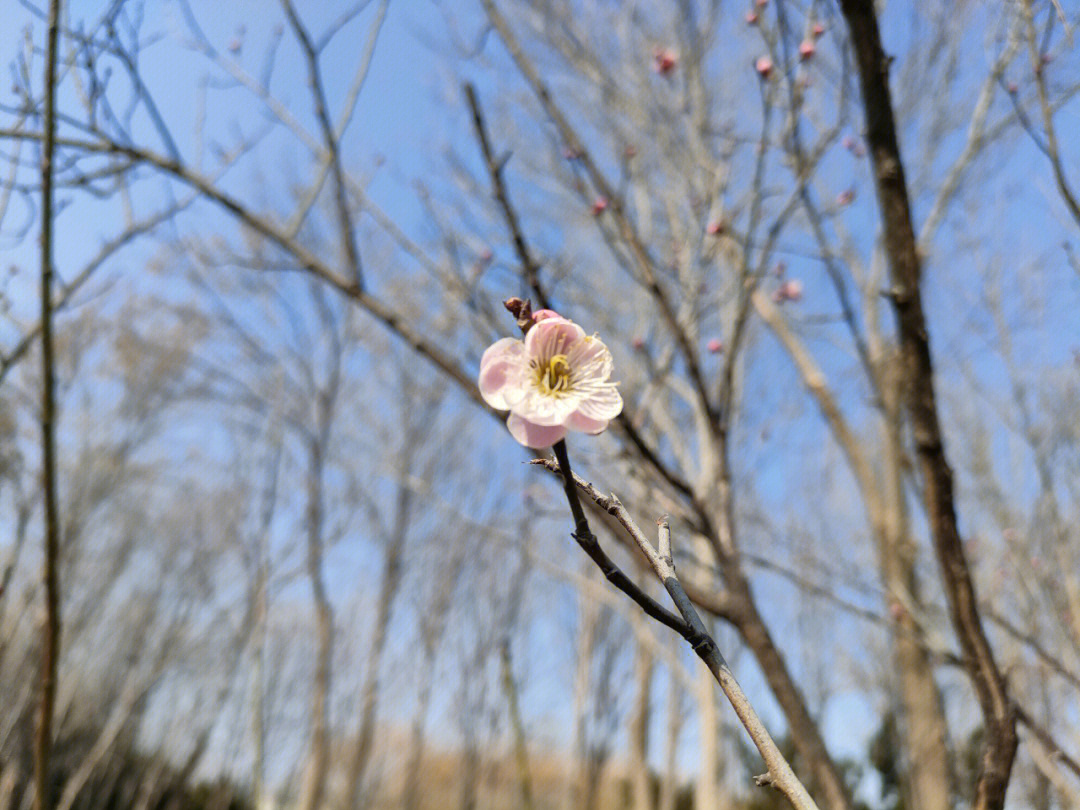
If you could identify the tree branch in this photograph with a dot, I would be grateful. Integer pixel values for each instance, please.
(780, 774)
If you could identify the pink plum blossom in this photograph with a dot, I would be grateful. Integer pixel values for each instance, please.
(790, 290)
(553, 381)
(664, 60)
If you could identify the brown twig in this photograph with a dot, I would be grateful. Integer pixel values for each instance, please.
(1052, 151)
(330, 143)
(591, 546)
(530, 268)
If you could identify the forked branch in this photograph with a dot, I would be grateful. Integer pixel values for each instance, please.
(691, 627)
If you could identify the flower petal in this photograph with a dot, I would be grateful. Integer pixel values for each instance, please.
(602, 404)
(552, 336)
(581, 422)
(590, 360)
(532, 435)
(501, 373)
(544, 409)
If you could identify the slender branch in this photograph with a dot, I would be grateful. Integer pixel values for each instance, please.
(302, 256)
(51, 634)
(1052, 151)
(1047, 740)
(530, 268)
(591, 546)
(780, 775)
(330, 143)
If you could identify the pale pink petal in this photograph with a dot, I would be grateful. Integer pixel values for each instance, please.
(501, 372)
(544, 314)
(532, 435)
(581, 422)
(552, 336)
(603, 404)
(590, 360)
(544, 409)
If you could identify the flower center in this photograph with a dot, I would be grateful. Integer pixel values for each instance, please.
(553, 377)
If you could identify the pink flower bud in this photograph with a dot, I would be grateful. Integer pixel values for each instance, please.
(1012, 87)
(847, 142)
(763, 66)
(664, 60)
(818, 29)
(234, 45)
(638, 343)
(806, 49)
(845, 197)
(599, 206)
(751, 17)
(793, 290)
(715, 228)
(715, 346)
(544, 314)
(897, 611)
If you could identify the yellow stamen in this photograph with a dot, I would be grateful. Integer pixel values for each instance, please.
(553, 377)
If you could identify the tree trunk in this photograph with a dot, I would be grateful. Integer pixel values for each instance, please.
(707, 789)
(923, 722)
(638, 732)
(314, 783)
(917, 379)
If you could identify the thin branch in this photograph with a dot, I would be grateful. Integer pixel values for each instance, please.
(591, 546)
(1052, 151)
(330, 144)
(530, 268)
(780, 774)
(305, 260)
